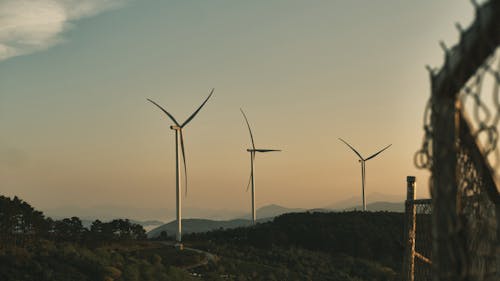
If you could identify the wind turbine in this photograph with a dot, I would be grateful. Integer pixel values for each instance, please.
(252, 151)
(179, 140)
(363, 166)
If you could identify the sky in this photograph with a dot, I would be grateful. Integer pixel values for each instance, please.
(76, 129)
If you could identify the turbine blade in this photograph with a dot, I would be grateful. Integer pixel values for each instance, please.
(378, 152)
(250, 130)
(355, 151)
(249, 180)
(166, 112)
(197, 110)
(267, 150)
(251, 170)
(184, 161)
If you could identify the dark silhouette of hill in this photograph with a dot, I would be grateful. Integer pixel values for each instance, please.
(195, 225)
(374, 236)
(266, 214)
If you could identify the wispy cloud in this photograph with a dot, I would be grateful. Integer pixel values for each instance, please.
(27, 26)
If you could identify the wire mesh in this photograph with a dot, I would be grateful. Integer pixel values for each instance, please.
(478, 217)
(423, 240)
(461, 149)
(480, 104)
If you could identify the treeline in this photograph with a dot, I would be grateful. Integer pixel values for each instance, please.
(21, 224)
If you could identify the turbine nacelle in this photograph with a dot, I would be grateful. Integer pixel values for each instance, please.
(174, 127)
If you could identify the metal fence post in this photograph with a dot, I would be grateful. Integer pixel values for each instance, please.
(409, 224)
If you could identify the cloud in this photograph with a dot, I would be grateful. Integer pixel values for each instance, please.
(27, 26)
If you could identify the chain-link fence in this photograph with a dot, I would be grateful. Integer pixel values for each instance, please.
(460, 148)
(423, 239)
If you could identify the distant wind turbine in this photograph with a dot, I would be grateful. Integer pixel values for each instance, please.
(179, 139)
(252, 151)
(363, 167)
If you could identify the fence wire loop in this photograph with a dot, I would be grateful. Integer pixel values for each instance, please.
(460, 147)
(423, 157)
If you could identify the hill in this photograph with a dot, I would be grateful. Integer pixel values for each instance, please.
(33, 247)
(355, 201)
(195, 225)
(266, 213)
(273, 210)
(311, 246)
(337, 246)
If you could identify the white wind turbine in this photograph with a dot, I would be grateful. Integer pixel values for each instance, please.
(179, 140)
(363, 167)
(252, 151)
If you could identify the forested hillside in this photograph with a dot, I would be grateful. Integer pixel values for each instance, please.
(36, 248)
(311, 246)
(346, 246)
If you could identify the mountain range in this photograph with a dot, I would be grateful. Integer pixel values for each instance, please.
(200, 219)
(194, 225)
(266, 213)
(355, 201)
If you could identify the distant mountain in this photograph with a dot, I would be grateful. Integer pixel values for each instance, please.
(273, 210)
(355, 201)
(147, 225)
(266, 213)
(197, 225)
(201, 225)
(319, 210)
(106, 213)
(192, 225)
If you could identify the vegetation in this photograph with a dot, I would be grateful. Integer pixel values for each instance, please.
(309, 246)
(348, 246)
(51, 261)
(33, 247)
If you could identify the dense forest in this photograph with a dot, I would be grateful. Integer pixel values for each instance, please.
(310, 246)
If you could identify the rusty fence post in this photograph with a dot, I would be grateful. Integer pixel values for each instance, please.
(409, 231)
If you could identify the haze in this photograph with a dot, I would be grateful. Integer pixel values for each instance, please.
(76, 129)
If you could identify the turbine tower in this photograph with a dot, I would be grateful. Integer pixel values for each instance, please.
(179, 140)
(363, 167)
(252, 151)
